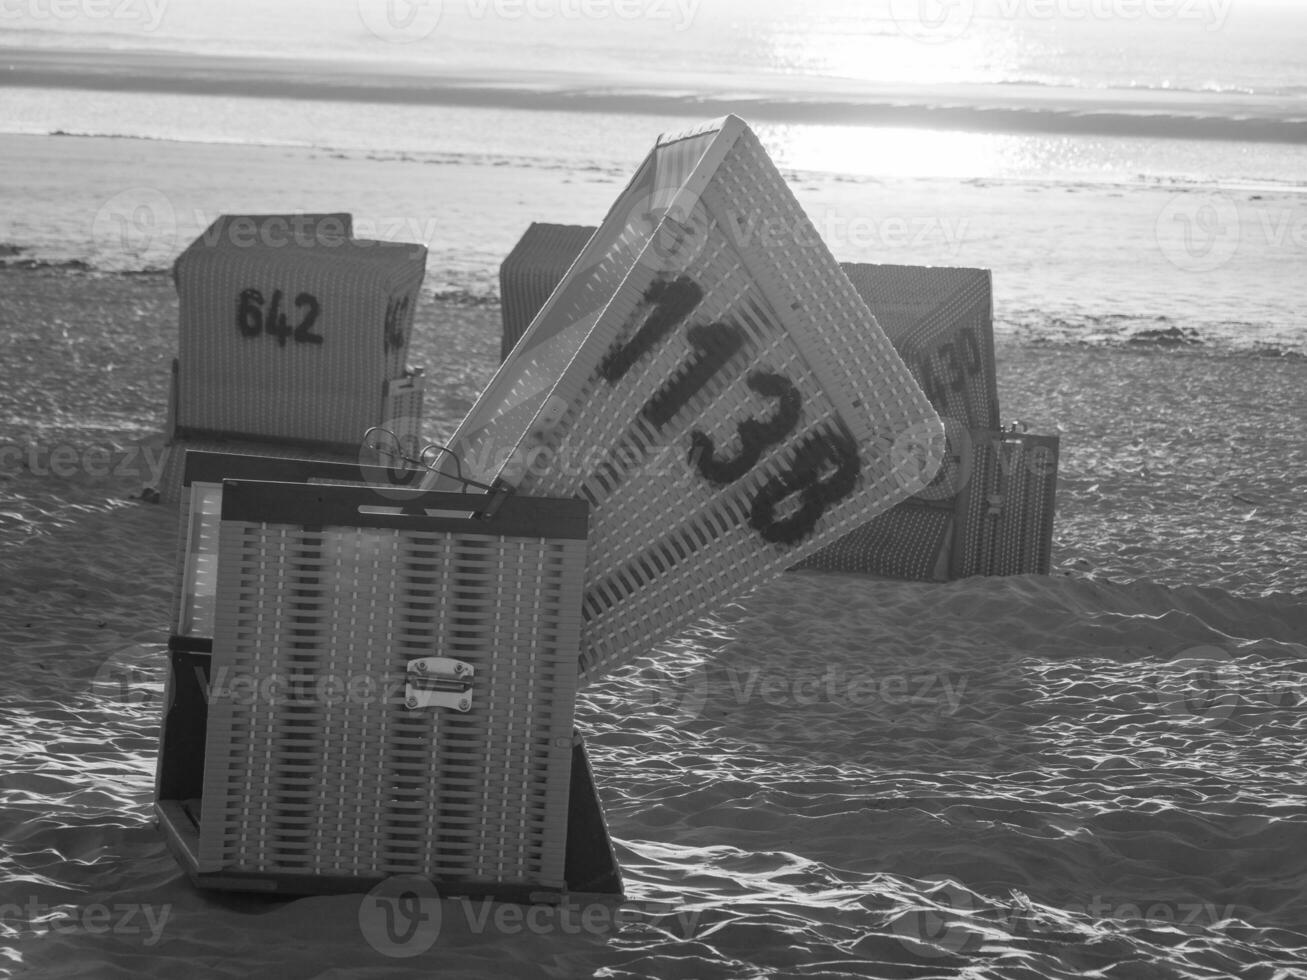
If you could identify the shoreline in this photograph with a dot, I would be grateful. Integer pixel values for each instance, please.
(1009, 108)
(1169, 339)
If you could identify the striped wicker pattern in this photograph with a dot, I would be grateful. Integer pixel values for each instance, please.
(1005, 512)
(291, 329)
(334, 775)
(941, 321)
(912, 540)
(668, 540)
(200, 472)
(529, 274)
(198, 565)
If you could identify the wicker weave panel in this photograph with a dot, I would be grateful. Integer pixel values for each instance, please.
(667, 544)
(1005, 513)
(332, 784)
(531, 271)
(319, 375)
(940, 320)
(401, 413)
(199, 470)
(912, 540)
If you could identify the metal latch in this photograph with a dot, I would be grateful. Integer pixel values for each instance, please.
(439, 682)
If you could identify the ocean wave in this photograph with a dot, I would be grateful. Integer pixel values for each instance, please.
(1025, 108)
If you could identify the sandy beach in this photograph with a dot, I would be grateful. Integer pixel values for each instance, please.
(1097, 770)
(1095, 773)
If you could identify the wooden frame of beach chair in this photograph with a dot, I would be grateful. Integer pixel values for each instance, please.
(292, 338)
(940, 320)
(467, 772)
(725, 401)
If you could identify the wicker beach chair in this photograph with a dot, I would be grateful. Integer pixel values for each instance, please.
(292, 334)
(531, 271)
(725, 402)
(389, 681)
(940, 320)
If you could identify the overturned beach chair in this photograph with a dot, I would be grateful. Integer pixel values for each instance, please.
(368, 680)
(940, 320)
(293, 338)
(726, 406)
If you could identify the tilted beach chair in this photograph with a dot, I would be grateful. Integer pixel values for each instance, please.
(940, 320)
(726, 403)
(293, 338)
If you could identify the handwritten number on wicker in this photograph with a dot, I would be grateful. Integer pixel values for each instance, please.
(755, 436)
(824, 472)
(930, 384)
(826, 464)
(972, 345)
(304, 332)
(714, 344)
(253, 320)
(396, 310)
(957, 377)
(249, 313)
(672, 301)
(958, 364)
(274, 323)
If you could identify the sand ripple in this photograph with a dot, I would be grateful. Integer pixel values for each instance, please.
(1097, 773)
